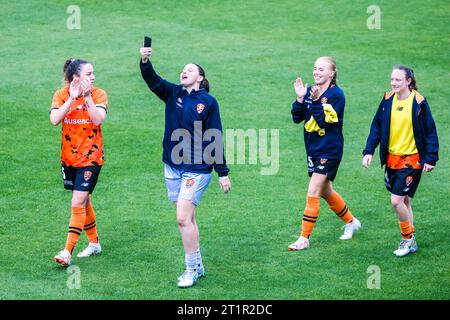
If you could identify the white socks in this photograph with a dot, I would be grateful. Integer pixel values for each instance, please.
(193, 261)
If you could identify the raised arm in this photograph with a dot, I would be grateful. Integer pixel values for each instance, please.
(60, 108)
(156, 84)
(298, 110)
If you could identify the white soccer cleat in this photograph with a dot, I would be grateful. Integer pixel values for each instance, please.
(406, 246)
(350, 229)
(414, 246)
(187, 279)
(91, 249)
(63, 258)
(200, 273)
(300, 244)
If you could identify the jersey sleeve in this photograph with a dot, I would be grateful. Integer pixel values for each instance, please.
(100, 99)
(57, 101)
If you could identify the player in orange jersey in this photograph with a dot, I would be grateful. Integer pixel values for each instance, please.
(81, 108)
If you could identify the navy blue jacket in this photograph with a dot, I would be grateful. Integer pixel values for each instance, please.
(424, 128)
(188, 112)
(329, 143)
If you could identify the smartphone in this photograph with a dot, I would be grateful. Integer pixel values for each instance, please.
(147, 42)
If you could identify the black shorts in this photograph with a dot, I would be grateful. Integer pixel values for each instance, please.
(328, 167)
(80, 179)
(402, 182)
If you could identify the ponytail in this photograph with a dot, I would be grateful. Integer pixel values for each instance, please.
(334, 80)
(72, 67)
(205, 83)
(409, 74)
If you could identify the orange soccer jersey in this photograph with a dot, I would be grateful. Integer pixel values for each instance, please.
(81, 140)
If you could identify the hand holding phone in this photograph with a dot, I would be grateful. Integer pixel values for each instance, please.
(146, 51)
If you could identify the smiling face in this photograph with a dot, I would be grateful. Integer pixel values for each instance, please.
(399, 83)
(323, 71)
(190, 77)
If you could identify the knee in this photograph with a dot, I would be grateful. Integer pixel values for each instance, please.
(183, 221)
(79, 203)
(396, 202)
(314, 192)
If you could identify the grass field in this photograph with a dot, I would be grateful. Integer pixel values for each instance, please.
(251, 51)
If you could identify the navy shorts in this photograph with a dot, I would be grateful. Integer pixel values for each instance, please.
(328, 167)
(402, 182)
(80, 179)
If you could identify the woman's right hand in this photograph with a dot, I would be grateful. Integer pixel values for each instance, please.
(300, 89)
(75, 89)
(367, 160)
(145, 53)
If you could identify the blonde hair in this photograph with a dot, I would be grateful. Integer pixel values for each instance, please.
(332, 63)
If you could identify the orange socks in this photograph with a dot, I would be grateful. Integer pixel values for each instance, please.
(90, 227)
(75, 227)
(310, 215)
(337, 204)
(406, 229)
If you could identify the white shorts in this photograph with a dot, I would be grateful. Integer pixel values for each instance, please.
(185, 185)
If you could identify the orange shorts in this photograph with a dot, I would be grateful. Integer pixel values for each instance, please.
(410, 161)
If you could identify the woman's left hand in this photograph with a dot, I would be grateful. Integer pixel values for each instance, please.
(427, 167)
(225, 184)
(86, 87)
(315, 92)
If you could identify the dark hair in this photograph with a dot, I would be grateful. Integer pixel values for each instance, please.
(205, 82)
(409, 73)
(72, 67)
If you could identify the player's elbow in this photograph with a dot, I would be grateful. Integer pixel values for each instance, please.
(54, 121)
(296, 119)
(99, 121)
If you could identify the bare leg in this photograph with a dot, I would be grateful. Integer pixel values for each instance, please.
(187, 225)
(401, 209)
(408, 201)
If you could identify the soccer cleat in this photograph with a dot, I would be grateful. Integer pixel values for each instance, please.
(91, 249)
(300, 244)
(350, 229)
(414, 246)
(200, 273)
(64, 258)
(406, 246)
(187, 279)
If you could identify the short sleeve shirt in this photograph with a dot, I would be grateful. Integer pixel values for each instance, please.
(81, 140)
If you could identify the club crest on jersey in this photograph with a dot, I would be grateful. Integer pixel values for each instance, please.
(200, 107)
(324, 100)
(189, 183)
(323, 161)
(409, 180)
(87, 175)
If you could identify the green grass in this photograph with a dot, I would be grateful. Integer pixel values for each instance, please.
(251, 51)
